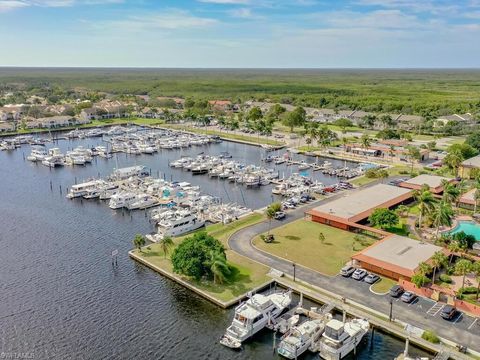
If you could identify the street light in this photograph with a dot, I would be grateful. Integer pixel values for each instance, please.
(390, 317)
(293, 264)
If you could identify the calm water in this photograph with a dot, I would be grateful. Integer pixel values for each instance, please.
(60, 296)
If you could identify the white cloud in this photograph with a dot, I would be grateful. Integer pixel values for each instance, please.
(244, 13)
(7, 5)
(171, 20)
(227, 2)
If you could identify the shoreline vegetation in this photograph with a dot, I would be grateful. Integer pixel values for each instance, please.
(408, 91)
(246, 275)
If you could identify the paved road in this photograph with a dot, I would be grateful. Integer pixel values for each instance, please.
(422, 313)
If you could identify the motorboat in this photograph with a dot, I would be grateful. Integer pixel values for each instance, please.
(122, 199)
(125, 173)
(180, 223)
(253, 315)
(38, 153)
(340, 338)
(54, 158)
(285, 322)
(143, 202)
(300, 338)
(303, 166)
(80, 190)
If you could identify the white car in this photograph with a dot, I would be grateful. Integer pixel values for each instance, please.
(359, 274)
(347, 270)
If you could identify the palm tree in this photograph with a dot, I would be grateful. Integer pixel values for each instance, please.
(476, 195)
(219, 267)
(402, 210)
(166, 243)
(450, 192)
(438, 260)
(476, 271)
(425, 202)
(453, 160)
(270, 212)
(311, 132)
(344, 143)
(391, 152)
(139, 241)
(442, 215)
(453, 247)
(463, 267)
(366, 141)
(424, 268)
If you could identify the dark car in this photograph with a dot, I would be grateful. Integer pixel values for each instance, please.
(396, 291)
(408, 297)
(371, 278)
(448, 312)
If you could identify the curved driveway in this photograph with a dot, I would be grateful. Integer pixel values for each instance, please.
(464, 330)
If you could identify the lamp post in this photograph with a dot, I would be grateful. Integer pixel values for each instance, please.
(293, 264)
(391, 310)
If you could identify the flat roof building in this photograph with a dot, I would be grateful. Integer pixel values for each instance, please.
(395, 256)
(434, 182)
(357, 205)
(468, 165)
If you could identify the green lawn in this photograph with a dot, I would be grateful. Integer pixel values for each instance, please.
(226, 135)
(299, 242)
(392, 171)
(246, 274)
(383, 285)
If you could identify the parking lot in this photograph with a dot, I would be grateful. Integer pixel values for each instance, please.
(419, 308)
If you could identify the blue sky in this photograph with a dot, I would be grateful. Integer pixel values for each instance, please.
(240, 33)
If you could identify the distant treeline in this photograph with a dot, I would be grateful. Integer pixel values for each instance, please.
(428, 93)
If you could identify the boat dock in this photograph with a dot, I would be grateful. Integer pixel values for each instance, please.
(446, 350)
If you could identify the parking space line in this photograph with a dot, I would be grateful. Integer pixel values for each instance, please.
(473, 323)
(435, 309)
(458, 318)
(414, 302)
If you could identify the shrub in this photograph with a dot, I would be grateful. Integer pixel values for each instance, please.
(403, 172)
(430, 336)
(445, 278)
(468, 290)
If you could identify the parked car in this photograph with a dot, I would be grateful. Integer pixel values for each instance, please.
(347, 270)
(279, 215)
(396, 291)
(359, 274)
(408, 297)
(371, 278)
(448, 312)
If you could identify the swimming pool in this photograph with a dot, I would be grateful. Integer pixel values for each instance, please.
(469, 228)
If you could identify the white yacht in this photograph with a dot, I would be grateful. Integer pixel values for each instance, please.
(83, 189)
(125, 173)
(38, 154)
(106, 194)
(180, 223)
(303, 165)
(300, 338)
(122, 199)
(146, 148)
(253, 315)
(73, 158)
(143, 202)
(340, 338)
(54, 158)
